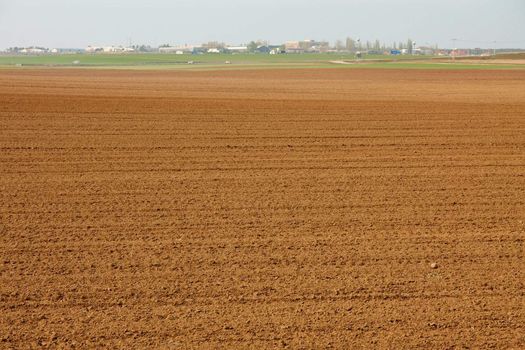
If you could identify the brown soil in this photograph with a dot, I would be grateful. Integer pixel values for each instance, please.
(262, 209)
(480, 60)
(507, 58)
(502, 56)
(512, 56)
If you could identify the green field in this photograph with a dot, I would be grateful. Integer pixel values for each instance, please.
(234, 61)
(171, 59)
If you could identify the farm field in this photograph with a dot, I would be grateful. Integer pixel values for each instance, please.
(173, 60)
(264, 209)
(152, 61)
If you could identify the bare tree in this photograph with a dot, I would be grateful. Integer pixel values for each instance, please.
(350, 44)
(252, 46)
(409, 46)
(339, 45)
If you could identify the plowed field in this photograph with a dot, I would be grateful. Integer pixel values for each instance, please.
(262, 209)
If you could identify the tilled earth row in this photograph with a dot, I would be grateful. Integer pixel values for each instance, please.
(262, 209)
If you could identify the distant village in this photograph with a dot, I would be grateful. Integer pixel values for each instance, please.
(349, 46)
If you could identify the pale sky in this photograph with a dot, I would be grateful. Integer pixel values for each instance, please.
(78, 23)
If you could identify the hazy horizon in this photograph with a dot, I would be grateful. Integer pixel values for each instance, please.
(76, 24)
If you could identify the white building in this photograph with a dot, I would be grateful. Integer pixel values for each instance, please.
(108, 49)
(179, 50)
(34, 50)
(113, 49)
(237, 49)
(93, 49)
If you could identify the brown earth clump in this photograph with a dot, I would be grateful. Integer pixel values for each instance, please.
(262, 209)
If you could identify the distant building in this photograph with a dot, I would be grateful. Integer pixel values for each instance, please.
(34, 50)
(179, 50)
(237, 49)
(93, 49)
(199, 50)
(108, 49)
(269, 49)
(460, 52)
(306, 46)
(424, 50)
(117, 49)
(480, 52)
(293, 47)
(263, 49)
(213, 45)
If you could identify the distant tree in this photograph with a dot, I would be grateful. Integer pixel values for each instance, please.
(409, 46)
(252, 46)
(350, 44)
(324, 46)
(377, 45)
(339, 45)
(306, 44)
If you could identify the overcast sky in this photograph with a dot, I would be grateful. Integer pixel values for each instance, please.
(78, 23)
